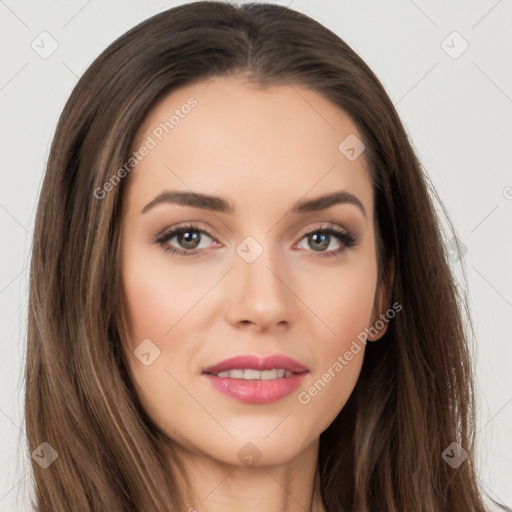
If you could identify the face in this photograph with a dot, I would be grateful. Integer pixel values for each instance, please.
(249, 273)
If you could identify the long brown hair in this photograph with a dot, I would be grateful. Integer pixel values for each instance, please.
(414, 397)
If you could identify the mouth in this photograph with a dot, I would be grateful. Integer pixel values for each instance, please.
(250, 379)
(249, 374)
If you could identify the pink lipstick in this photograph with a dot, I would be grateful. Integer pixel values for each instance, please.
(250, 379)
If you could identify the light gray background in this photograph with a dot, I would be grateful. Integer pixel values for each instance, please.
(458, 113)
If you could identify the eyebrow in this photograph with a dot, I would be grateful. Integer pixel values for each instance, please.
(217, 204)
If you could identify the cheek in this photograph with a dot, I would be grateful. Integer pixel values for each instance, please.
(157, 295)
(147, 302)
(157, 298)
(345, 302)
(345, 308)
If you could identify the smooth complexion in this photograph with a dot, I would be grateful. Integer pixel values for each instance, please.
(261, 151)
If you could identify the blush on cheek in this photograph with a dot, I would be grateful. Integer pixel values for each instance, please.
(351, 318)
(141, 310)
(146, 293)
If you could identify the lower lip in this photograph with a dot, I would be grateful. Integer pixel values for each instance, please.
(256, 391)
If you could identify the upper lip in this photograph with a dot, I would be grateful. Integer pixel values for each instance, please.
(255, 363)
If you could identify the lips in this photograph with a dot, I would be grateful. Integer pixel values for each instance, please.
(252, 380)
(248, 362)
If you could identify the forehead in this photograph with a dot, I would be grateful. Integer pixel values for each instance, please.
(225, 137)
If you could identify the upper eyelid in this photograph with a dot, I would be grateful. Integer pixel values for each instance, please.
(180, 227)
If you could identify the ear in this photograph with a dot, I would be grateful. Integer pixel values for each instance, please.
(382, 301)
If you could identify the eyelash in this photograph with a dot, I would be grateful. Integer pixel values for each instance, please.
(347, 238)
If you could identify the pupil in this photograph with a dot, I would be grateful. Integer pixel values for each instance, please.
(323, 243)
(189, 237)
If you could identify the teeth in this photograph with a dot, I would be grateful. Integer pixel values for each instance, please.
(249, 374)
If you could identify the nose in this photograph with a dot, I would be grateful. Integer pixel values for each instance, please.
(260, 293)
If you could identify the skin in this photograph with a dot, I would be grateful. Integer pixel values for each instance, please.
(261, 150)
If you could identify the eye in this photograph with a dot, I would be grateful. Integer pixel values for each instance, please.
(188, 236)
(320, 238)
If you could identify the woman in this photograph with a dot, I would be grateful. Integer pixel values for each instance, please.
(311, 353)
